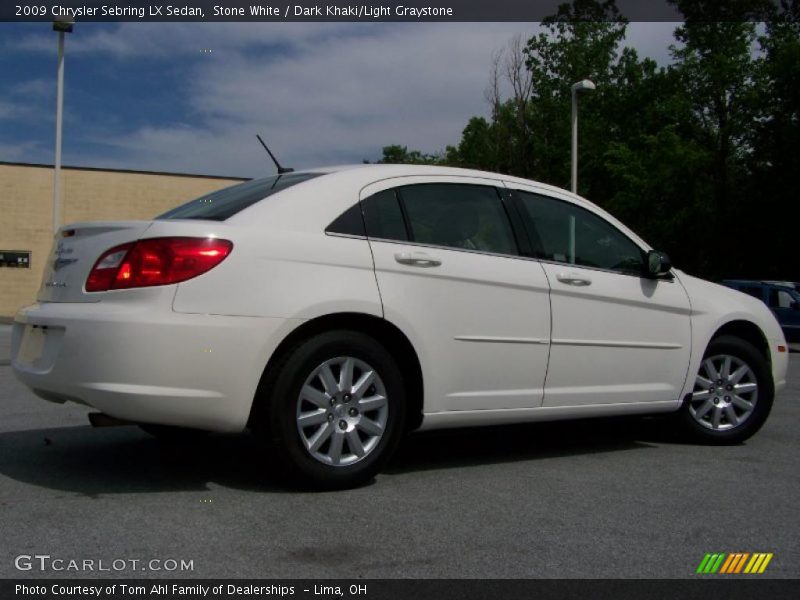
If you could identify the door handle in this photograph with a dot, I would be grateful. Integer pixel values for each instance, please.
(573, 279)
(417, 259)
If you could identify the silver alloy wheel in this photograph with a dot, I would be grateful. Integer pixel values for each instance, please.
(342, 411)
(725, 393)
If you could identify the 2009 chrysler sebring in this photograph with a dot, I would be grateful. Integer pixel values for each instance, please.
(334, 310)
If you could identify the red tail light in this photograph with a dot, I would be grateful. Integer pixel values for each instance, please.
(156, 261)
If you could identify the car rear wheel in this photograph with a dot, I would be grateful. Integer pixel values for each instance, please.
(337, 409)
(732, 394)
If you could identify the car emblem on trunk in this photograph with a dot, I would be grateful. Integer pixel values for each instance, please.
(61, 262)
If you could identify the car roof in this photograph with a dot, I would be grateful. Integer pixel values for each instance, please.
(327, 196)
(382, 171)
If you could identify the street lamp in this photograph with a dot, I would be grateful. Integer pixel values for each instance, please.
(61, 27)
(577, 87)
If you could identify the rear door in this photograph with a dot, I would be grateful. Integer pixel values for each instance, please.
(449, 273)
(617, 337)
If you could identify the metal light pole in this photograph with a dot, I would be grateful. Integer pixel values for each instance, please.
(577, 87)
(62, 27)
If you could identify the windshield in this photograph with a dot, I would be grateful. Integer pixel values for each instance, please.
(224, 203)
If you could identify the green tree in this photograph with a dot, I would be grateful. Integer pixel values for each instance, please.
(697, 156)
(771, 204)
(580, 42)
(396, 154)
(477, 149)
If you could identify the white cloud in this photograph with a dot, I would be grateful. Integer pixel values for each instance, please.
(319, 93)
(14, 110)
(34, 88)
(328, 98)
(17, 152)
(178, 40)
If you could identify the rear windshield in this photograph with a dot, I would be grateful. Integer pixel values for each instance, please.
(223, 204)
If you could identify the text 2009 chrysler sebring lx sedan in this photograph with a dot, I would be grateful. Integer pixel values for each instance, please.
(333, 310)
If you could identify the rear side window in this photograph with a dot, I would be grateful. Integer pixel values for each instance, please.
(470, 217)
(384, 217)
(223, 204)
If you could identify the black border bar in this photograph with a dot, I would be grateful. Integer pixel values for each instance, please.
(353, 11)
(700, 588)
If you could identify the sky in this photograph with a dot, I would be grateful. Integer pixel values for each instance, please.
(190, 97)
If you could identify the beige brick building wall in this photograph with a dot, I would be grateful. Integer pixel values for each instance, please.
(26, 209)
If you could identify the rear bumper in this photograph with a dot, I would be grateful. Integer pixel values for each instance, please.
(146, 365)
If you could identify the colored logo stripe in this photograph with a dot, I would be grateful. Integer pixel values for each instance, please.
(728, 562)
(758, 563)
(734, 562)
(710, 563)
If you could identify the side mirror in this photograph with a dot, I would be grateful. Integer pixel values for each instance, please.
(658, 264)
(795, 305)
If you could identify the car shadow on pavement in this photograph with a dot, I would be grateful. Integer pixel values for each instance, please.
(111, 460)
(453, 448)
(114, 460)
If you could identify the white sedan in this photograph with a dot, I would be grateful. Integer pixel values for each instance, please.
(336, 309)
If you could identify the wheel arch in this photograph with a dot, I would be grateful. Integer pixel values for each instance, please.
(383, 331)
(746, 335)
(749, 332)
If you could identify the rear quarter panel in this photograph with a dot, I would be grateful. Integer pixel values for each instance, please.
(294, 275)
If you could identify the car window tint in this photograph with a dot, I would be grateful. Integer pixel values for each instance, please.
(780, 298)
(470, 217)
(570, 234)
(224, 203)
(350, 222)
(383, 217)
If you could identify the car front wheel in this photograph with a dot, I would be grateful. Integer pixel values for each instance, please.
(337, 409)
(732, 395)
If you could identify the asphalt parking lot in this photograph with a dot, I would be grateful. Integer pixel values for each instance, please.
(581, 499)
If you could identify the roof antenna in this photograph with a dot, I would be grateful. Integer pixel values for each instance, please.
(281, 170)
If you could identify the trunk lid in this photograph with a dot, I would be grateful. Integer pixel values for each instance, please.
(75, 250)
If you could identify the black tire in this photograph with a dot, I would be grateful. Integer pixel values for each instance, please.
(279, 418)
(173, 434)
(745, 352)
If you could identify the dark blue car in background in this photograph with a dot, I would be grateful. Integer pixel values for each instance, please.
(782, 297)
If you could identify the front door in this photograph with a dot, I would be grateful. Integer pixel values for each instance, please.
(617, 336)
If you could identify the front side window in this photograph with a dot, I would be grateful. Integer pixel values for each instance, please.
(564, 232)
